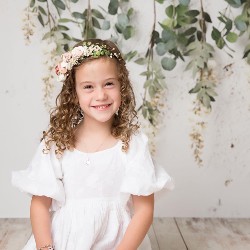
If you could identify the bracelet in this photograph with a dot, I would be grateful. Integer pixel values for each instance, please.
(49, 247)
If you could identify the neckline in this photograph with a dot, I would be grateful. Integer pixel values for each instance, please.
(100, 151)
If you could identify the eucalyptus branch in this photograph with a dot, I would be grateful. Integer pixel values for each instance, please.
(88, 22)
(205, 84)
(57, 10)
(150, 53)
(203, 36)
(50, 16)
(152, 42)
(154, 86)
(203, 23)
(234, 27)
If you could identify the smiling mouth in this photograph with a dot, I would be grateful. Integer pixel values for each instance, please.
(102, 107)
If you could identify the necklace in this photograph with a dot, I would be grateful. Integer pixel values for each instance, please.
(87, 161)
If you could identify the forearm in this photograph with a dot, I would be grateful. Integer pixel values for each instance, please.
(40, 220)
(140, 223)
(136, 231)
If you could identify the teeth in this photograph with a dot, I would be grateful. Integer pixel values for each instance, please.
(101, 107)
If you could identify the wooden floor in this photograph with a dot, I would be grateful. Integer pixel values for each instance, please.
(165, 234)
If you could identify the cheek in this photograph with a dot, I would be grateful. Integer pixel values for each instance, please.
(82, 99)
(118, 97)
(84, 104)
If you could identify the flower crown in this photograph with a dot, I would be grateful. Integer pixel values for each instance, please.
(78, 54)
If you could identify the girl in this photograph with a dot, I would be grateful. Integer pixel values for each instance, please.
(92, 179)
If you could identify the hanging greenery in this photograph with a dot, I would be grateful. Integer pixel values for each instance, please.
(124, 13)
(153, 97)
(233, 27)
(200, 52)
(180, 37)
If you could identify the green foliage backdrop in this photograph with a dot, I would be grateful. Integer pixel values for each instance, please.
(182, 36)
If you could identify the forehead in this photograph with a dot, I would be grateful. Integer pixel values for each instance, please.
(97, 69)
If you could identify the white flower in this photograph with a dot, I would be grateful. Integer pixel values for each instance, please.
(71, 64)
(77, 52)
(66, 57)
(64, 66)
(90, 49)
(61, 77)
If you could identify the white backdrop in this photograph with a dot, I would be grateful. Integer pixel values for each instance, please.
(218, 189)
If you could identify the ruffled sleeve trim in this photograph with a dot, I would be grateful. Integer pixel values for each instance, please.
(43, 177)
(142, 175)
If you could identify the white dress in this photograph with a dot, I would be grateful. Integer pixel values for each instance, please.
(91, 205)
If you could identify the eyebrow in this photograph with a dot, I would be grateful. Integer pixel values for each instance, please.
(108, 79)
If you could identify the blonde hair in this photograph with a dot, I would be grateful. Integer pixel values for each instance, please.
(65, 117)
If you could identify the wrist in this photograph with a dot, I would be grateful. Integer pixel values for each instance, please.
(46, 247)
(124, 247)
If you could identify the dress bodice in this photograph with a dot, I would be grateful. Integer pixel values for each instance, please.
(101, 178)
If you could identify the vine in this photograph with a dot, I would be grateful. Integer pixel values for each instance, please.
(201, 53)
(184, 35)
(153, 100)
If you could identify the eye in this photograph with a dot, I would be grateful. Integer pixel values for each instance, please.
(109, 84)
(87, 87)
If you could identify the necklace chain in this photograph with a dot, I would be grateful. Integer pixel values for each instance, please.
(87, 161)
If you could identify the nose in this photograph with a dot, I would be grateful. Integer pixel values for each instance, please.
(101, 94)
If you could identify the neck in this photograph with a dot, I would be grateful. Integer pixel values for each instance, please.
(94, 129)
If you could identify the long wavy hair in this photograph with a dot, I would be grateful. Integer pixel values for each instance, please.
(66, 115)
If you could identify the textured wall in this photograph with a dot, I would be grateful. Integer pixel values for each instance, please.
(218, 188)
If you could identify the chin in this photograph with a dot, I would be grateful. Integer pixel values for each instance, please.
(104, 119)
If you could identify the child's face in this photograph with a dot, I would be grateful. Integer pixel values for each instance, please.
(98, 89)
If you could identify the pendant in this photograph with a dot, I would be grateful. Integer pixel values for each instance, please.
(87, 162)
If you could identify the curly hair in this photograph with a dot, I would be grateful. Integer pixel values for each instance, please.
(66, 115)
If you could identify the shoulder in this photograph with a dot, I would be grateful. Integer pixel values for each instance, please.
(138, 140)
(46, 152)
(138, 146)
(139, 136)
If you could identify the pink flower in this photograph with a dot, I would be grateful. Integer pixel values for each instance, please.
(66, 56)
(61, 68)
(64, 67)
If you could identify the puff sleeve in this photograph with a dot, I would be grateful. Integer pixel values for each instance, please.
(43, 177)
(142, 175)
